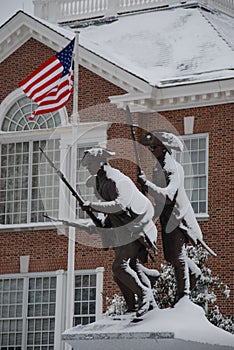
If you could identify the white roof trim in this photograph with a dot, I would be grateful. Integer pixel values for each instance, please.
(179, 97)
(21, 27)
(140, 95)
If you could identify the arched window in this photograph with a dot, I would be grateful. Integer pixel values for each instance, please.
(17, 118)
(28, 185)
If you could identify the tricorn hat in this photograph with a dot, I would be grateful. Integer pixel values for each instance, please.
(169, 140)
(97, 152)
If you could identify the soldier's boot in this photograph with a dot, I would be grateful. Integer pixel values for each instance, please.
(146, 302)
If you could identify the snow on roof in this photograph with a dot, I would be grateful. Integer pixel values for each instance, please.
(167, 47)
(173, 46)
(224, 25)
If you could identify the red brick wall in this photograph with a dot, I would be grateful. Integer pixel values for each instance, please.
(20, 64)
(48, 251)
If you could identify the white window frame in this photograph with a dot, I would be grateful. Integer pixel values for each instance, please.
(87, 135)
(60, 300)
(205, 215)
(28, 137)
(13, 97)
(43, 179)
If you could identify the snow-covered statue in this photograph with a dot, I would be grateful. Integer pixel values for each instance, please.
(172, 206)
(127, 220)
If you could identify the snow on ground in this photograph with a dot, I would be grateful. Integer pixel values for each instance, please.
(186, 320)
(164, 47)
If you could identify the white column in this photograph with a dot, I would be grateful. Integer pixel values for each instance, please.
(99, 292)
(24, 313)
(59, 310)
(63, 190)
(71, 233)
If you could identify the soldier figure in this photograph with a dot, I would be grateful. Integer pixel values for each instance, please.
(128, 228)
(178, 223)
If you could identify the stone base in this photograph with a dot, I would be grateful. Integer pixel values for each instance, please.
(183, 327)
(134, 341)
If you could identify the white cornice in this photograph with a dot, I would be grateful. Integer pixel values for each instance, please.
(178, 97)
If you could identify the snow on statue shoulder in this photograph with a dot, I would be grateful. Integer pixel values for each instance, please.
(129, 213)
(178, 222)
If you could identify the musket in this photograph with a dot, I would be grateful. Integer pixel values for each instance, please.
(137, 157)
(138, 162)
(64, 222)
(92, 216)
(204, 245)
(130, 122)
(201, 242)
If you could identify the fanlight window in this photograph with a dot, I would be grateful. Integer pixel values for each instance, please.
(17, 117)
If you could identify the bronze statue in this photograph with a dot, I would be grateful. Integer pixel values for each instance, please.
(172, 207)
(127, 220)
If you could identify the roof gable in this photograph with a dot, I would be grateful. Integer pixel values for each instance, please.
(21, 27)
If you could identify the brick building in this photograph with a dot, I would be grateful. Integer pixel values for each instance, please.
(193, 97)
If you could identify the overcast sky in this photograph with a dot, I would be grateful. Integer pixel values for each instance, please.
(9, 7)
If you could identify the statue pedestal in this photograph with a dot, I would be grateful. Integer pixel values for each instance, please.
(123, 341)
(181, 328)
(133, 341)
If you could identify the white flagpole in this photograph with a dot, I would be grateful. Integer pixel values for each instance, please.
(73, 171)
(75, 114)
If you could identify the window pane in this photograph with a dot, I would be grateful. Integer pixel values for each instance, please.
(45, 185)
(85, 298)
(193, 160)
(11, 307)
(40, 318)
(16, 187)
(41, 312)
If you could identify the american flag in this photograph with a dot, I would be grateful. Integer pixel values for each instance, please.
(51, 84)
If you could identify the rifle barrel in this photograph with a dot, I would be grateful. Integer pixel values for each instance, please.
(92, 216)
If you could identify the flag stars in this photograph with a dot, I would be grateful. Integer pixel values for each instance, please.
(65, 57)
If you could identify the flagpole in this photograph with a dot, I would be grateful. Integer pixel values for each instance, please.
(73, 165)
(75, 114)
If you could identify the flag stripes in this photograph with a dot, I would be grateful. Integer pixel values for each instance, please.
(51, 84)
(57, 97)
